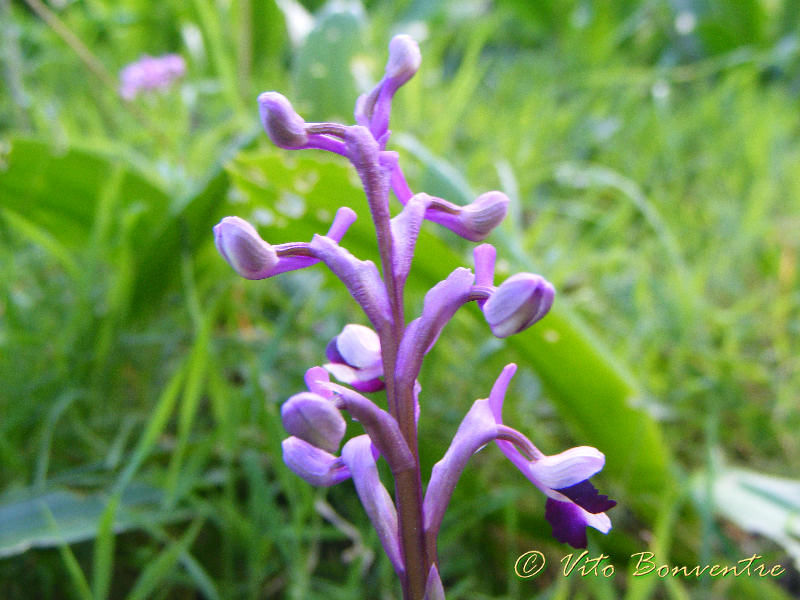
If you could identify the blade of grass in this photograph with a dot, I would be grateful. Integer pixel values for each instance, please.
(156, 572)
(73, 568)
(41, 237)
(155, 427)
(103, 564)
(60, 406)
(203, 581)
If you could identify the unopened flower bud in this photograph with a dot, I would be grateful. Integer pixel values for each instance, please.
(314, 465)
(239, 243)
(404, 59)
(518, 303)
(484, 214)
(284, 126)
(314, 419)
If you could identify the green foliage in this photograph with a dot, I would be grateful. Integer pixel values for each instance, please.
(650, 152)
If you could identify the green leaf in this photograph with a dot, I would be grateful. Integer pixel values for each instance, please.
(59, 190)
(50, 518)
(61, 199)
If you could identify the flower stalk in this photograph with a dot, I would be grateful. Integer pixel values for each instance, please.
(388, 356)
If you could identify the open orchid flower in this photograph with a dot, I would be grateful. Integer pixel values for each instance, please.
(572, 502)
(388, 355)
(355, 358)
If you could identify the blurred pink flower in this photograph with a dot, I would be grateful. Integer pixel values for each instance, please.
(150, 73)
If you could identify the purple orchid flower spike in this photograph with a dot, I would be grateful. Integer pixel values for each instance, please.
(387, 356)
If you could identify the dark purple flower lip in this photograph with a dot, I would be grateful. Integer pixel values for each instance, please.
(585, 495)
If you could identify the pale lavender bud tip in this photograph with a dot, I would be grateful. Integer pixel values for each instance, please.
(239, 243)
(518, 303)
(433, 588)
(404, 58)
(314, 419)
(283, 125)
(484, 214)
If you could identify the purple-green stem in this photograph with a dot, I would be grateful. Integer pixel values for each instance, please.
(400, 398)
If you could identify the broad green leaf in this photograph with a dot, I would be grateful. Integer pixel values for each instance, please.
(58, 198)
(45, 519)
(59, 190)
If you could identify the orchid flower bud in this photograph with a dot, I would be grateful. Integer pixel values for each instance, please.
(314, 419)
(404, 59)
(486, 212)
(480, 217)
(518, 303)
(284, 126)
(240, 245)
(313, 464)
(474, 221)
(433, 587)
(355, 356)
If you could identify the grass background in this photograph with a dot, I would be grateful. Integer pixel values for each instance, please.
(651, 151)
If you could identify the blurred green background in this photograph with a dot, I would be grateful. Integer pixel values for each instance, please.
(651, 150)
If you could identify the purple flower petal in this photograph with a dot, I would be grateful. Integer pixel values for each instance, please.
(518, 303)
(585, 495)
(314, 419)
(474, 221)
(315, 377)
(434, 590)
(313, 464)
(239, 243)
(283, 125)
(441, 303)
(361, 278)
(355, 377)
(357, 455)
(567, 468)
(150, 73)
(569, 525)
(359, 346)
